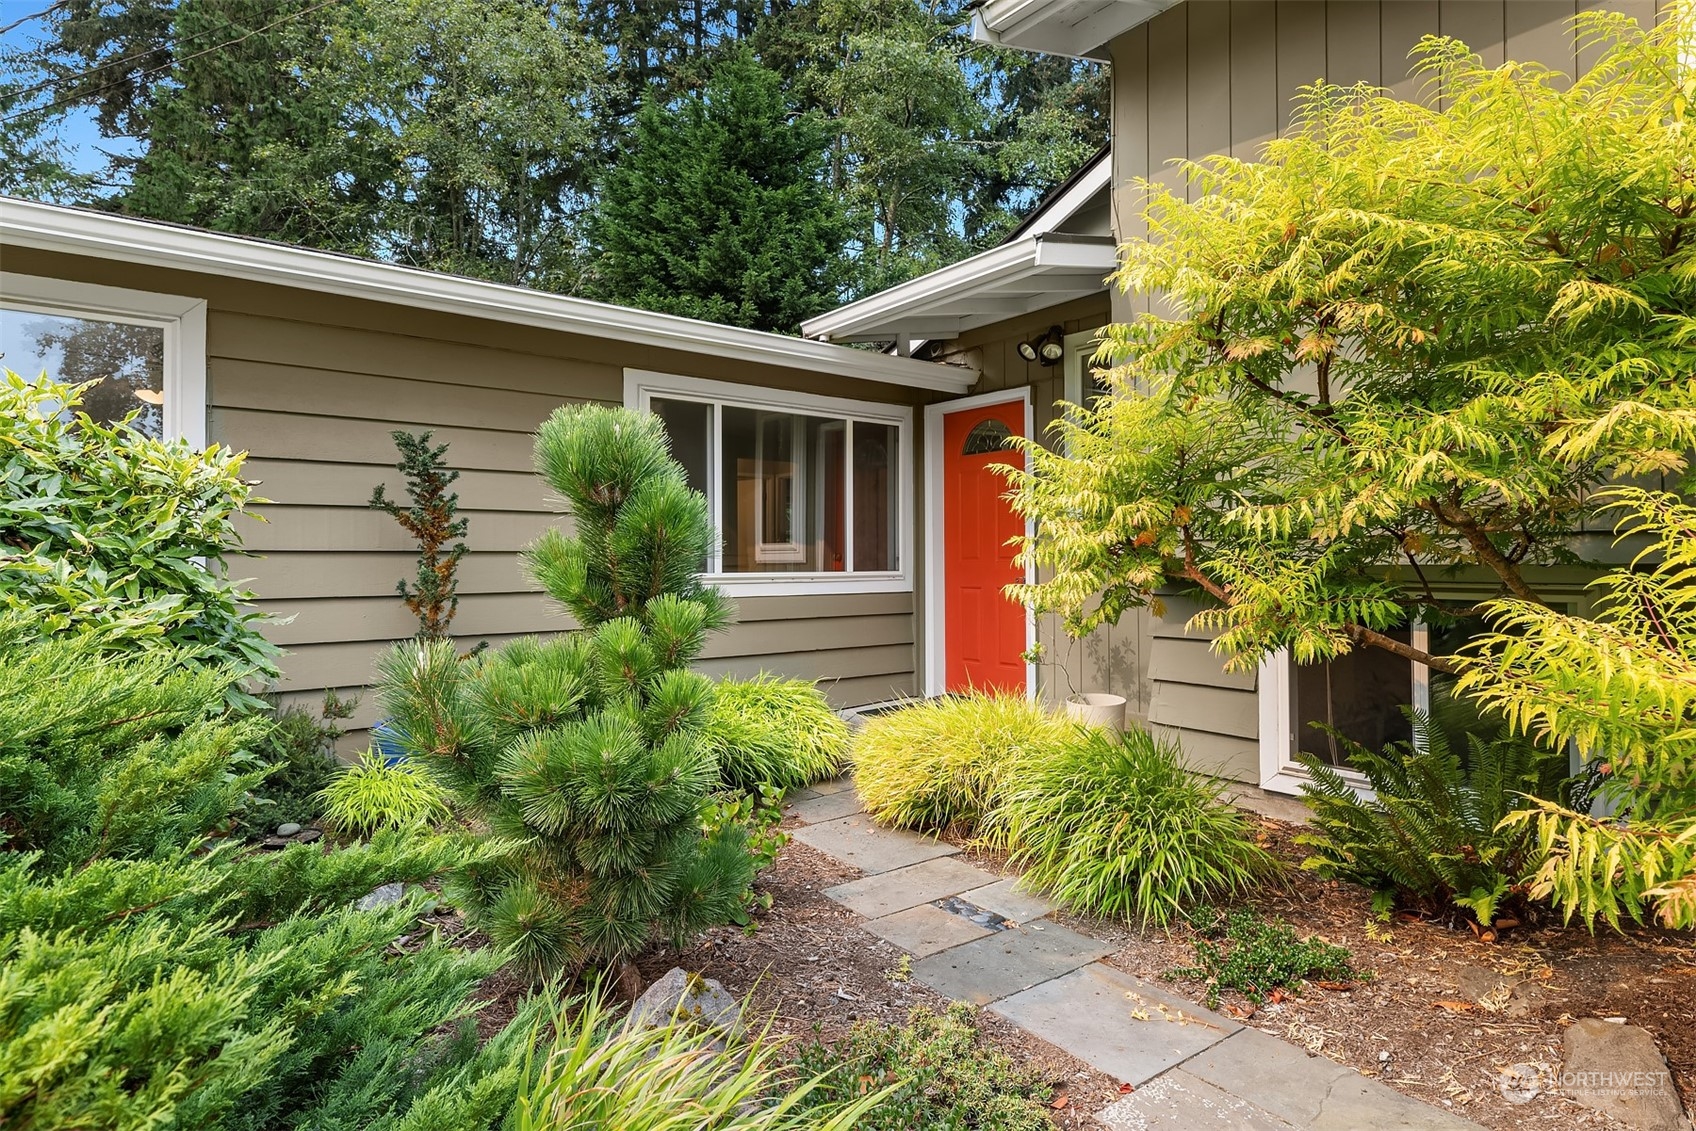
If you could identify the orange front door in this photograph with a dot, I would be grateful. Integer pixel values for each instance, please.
(984, 633)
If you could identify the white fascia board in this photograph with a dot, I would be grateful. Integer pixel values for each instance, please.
(1080, 29)
(1057, 211)
(911, 301)
(75, 231)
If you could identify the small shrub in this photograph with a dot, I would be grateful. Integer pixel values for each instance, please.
(103, 526)
(943, 763)
(594, 1076)
(298, 754)
(434, 522)
(780, 732)
(1242, 952)
(753, 818)
(585, 755)
(942, 1075)
(371, 795)
(1114, 825)
(1433, 838)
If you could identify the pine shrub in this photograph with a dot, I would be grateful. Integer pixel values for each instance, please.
(942, 764)
(152, 975)
(1433, 837)
(1113, 824)
(587, 752)
(777, 732)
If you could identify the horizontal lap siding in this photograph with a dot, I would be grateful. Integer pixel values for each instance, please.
(314, 407)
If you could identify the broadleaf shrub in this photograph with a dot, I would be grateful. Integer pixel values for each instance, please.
(943, 763)
(1240, 951)
(1113, 824)
(1434, 835)
(104, 531)
(774, 731)
(153, 976)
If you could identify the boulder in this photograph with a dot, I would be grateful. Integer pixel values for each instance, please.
(688, 997)
(287, 828)
(384, 895)
(1617, 1070)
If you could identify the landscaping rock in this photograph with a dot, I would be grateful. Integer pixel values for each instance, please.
(687, 997)
(1617, 1070)
(384, 895)
(287, 828)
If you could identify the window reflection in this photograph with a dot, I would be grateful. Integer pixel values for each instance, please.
(126, 360)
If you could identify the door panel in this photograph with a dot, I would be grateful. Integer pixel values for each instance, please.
(984, 634)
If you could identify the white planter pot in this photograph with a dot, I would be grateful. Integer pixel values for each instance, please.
(1097, 708)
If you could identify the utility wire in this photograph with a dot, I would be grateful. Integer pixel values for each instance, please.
(80, 95)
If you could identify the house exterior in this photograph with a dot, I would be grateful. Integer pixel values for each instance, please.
(307, 361)
(1189, 78)
(863, 533)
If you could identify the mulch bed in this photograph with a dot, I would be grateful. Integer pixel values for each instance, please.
(1443, 1048)
(815, 973)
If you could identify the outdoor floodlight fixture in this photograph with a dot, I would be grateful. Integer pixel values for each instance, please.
(1048, 349)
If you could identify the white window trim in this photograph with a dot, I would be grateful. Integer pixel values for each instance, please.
(183, 320)
(642, 385)
(1076, 350)
(1279, 770)
(935, 657)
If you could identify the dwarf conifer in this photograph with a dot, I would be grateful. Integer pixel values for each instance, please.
(587, 750)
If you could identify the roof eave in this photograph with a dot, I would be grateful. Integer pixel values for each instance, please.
(126, 239)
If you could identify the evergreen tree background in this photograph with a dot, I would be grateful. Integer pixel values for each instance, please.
(474, 136)
(716, 210)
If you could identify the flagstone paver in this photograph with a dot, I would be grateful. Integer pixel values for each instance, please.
(1192, 1070)
(1006, 962)
(1116, 1022)
(926, 929)
(821, 807)
(856, 840)
(1005, 899)
(888, 892)
(1177, 1101)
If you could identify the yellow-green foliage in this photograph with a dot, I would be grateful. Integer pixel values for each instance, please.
(772, 731)
(1115, 825)
(598, 1077)
(370, 795)
(943, 763)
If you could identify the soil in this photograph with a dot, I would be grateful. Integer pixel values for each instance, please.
(812, 969)
(1444, 1048)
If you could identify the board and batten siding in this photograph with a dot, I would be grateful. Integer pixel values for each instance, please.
(311, 387)
(1219, 77)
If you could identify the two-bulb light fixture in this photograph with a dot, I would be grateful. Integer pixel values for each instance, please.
(1046, 350)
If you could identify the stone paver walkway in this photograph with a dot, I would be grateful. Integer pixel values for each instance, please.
(976, 937)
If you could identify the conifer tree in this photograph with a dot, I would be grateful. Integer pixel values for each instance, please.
(717, 210)
(587, 752)
(433, 519)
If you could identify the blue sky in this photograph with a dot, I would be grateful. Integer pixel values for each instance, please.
(83, 145)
